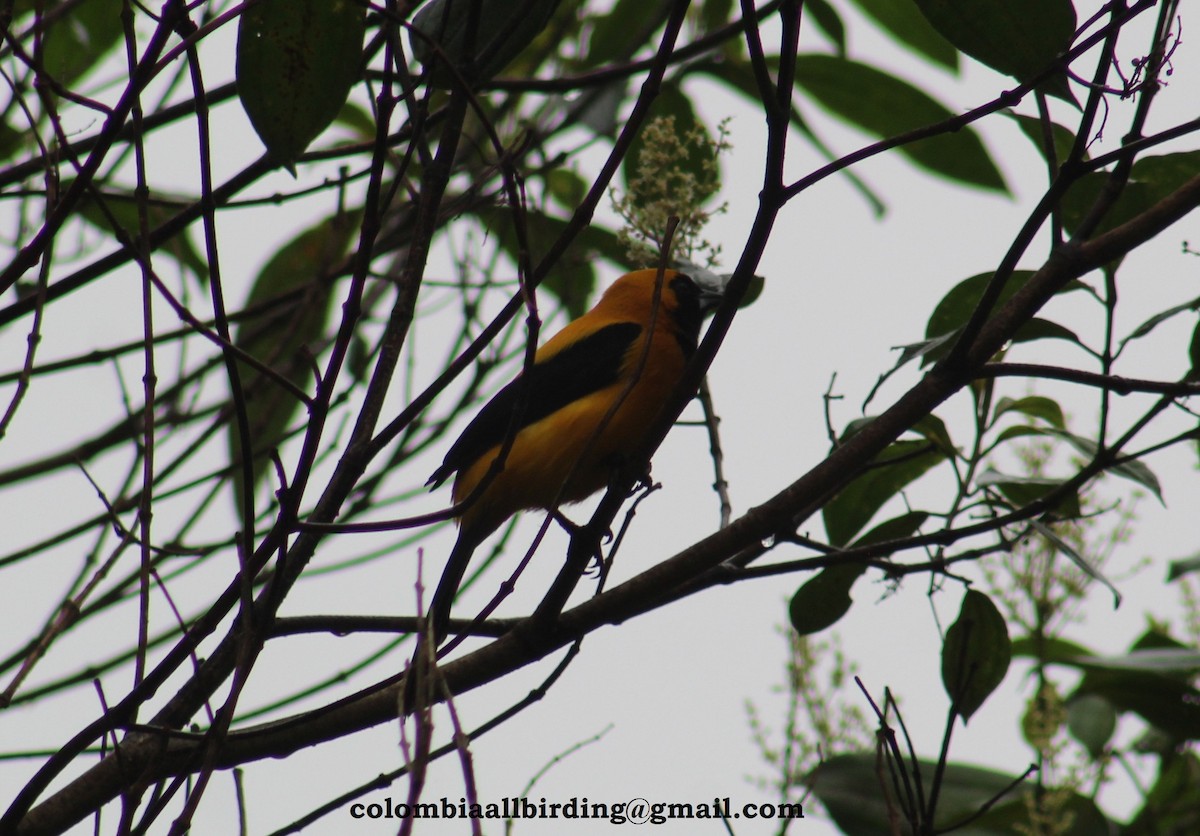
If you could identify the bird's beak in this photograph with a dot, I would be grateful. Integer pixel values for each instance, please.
(712, 285)
(710, 297)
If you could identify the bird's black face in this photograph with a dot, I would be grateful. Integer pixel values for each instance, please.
(691, 304)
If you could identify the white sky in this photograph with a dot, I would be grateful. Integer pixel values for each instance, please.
(842, 289)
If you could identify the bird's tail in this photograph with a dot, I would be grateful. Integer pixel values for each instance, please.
(439, 613)
(447, 588)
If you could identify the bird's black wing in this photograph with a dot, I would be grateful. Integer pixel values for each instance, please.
(587, 365)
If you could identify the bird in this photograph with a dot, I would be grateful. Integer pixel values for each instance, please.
(552, 410)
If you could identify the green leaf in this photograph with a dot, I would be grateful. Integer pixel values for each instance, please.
(602, 109)
(905, 525)
(567, 188)
(611, 40)
(573, 278)
(1062, 138)
(884, 106)
(296, 63)
(1020, 431)
(1091, 719)
(1133, 470)
(1025, 490)
(737, 74)
(854, 506)
(1063, 547)
(1046, 649)
(933, 348)
(976, 654)
(1165, 660)
(1159, 318)
(1173, 804)
(716, 13)
(1150, 180)
(909, 27)
(1183, 566)
(1043, 329)
(934, 429)
(1035, 406)
(74, 43)
(1194, 354)
(824, 598)
(123, 209)
(1077, 816)
(11, 141)
(1019, 38)
(848, 786)
(828, 21)
(957, 306)
(1165, 702)
(502, 31)
(292, 298)
(360, 123)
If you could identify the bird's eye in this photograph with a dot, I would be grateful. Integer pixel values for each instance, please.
(684, 287)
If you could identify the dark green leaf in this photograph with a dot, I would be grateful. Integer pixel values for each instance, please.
(934, 429)
(1166, 660)
(1043, 329)
(754, 289)
(855, 505)
(1021, 431)
(1166, 702)
(567, 188)
(716, 13)
(296, 63)
(11, 141)
(956, 307)
(1091, 720)
(502, 31)
(1063, 547)
(1020, 38)
(828, 21)
(848, 787)
(573, 278)
(896, 528)
(933, 348)
(1150, 180)
(1194, 355)
(1025, 490)
(1045, 649)
(1077, 815)
(1153, 653)
(1062, 138)
(738, 76)
(357, 120)
(123, 209)
(909, 27)
(612, 39)
(824, 598)
(1173, 804)
(1035, 406)
(976, 654)
(855, 426)
(73, 43)
(1161, 317)
(291, 301)
(603, 107)
(1133, 470)
(884, 106)
(1183, 566)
